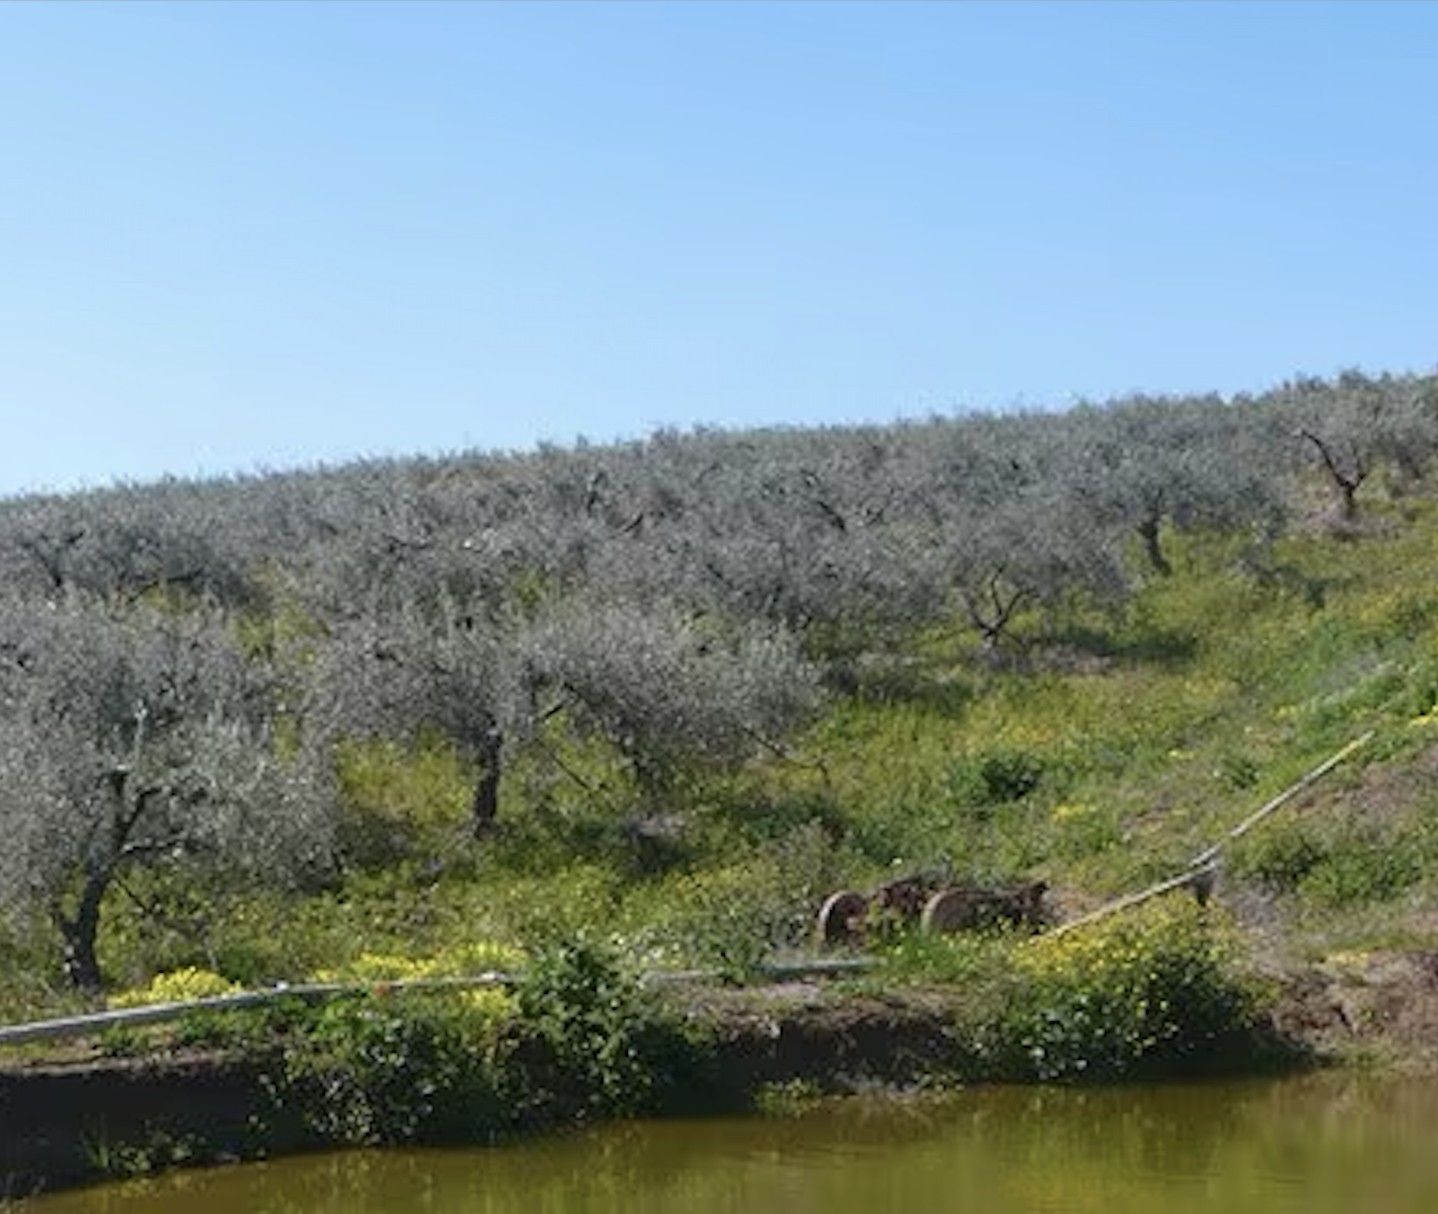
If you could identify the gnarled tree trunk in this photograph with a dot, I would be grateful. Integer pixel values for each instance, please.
(484, 807)
(1148, 529)
(79, 930)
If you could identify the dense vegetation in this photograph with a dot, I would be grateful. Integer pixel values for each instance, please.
(682, 687)
(582, 1037)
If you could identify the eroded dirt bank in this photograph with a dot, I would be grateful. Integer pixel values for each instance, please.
(1380, 1007)
(63, 1124)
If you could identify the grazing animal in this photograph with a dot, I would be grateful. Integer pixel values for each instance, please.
(970, 908)
(848, 917)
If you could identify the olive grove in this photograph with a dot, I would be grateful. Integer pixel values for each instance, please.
(181, 663)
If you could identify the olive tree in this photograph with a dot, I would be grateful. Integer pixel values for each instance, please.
(805, 529)
(391, 676)
(667, 688)
(1354, 422)
(1144, 462)
(1030, 551)
(137, 741)
(1005, 532)
(124, 543)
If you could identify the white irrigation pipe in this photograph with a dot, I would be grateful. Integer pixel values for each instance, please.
(159, 1013)
(1208, 855)
(1202, 864)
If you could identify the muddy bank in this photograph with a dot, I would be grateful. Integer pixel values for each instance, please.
(838, 1044)
(1379, 1007)
(63, 1124)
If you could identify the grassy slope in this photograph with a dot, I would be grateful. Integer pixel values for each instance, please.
(1098, 763)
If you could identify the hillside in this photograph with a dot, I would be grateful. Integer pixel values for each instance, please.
(422, 717)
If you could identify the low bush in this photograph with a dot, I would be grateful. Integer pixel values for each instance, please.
(594, 1043)
(461, 961)
(1152, 990)
(1362, 870)
(580, 1039)
(1347, 865)
(582, 1008)
(995, 778)
(177, 986)
(417, 1068)
(1278, 857)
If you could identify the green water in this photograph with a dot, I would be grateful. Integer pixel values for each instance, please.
(1314, 1144)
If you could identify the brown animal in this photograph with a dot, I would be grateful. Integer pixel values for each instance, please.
(904, 897)
(963, 908)
(842, 918)
(848, 917)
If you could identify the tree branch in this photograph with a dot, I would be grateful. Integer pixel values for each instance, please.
(1345, 480)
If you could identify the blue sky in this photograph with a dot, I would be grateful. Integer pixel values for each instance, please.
(237, 236)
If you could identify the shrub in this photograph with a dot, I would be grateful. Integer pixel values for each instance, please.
(596, 1044)
(1362, 870)
(586, 1041)
(465, 960)
(177, 986)
(996, 777)
(1148, 990)
(1280, 856)
(418, 1068)
(1237, 770)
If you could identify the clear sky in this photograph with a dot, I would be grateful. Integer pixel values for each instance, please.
(235, 236)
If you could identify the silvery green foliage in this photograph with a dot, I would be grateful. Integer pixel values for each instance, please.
(795, 528)
(1143, 462)
(1005, 533)
(393, 675)
(830, 532)
(1350, 425)
(389, 538)
(667, 688)
(1032, 551)
(137, 740)
(123, 543)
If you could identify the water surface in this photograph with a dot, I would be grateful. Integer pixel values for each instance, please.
(1316, 1144)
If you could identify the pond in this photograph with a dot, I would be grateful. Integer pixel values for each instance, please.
(1317, 1143)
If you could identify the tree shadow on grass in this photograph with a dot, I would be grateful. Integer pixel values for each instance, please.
(1081, 648)
(903, 682)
